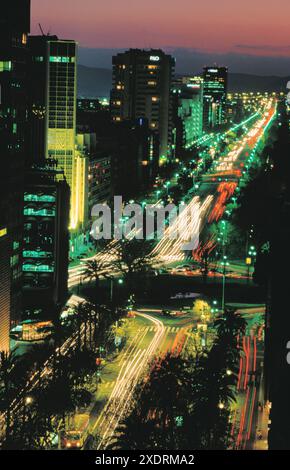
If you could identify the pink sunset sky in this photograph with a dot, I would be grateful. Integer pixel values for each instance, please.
(259, 27)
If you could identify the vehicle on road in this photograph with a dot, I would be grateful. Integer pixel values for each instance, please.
(74, 437)
(166, 313)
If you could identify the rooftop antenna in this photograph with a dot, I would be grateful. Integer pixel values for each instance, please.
(40, 27)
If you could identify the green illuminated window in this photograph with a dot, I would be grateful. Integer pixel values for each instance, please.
(35, 254)
(61, 59)
(42, 268)
(39, 198)
(39, 212)
(5, 66)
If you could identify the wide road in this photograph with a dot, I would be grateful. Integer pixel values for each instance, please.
(248, 408)
(151, 335)
(209, 201)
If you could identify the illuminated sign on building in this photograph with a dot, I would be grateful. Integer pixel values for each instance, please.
(154, 58)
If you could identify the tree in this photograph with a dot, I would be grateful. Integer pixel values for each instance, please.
(85, 316)
(161, 408)
(6, 365)
(132, 260)
(95, 270)
(230, 324)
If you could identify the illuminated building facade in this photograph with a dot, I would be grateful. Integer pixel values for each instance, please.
(98, 186)
(45, 242)
(99, 179)
(215, 93)
(188, 106)
(142, 89)
(81, 178)
(53, 102)
(14, 27)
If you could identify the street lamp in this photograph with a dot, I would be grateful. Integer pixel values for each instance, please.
(28, 401)
(252, 253)
(167, 186)
(224, 264)
(120, 282)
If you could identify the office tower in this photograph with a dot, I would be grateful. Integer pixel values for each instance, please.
(14, 27)
(53, 74)
(188, 114)
(134, 154)
(142, 89)
(215, 93)
(45, 241)
(99, 179)
(99, 171)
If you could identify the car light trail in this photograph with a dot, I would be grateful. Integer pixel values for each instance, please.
(134, 365)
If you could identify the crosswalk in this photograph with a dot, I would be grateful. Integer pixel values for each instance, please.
(168, 329)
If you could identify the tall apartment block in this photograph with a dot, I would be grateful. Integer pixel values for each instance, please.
(45, 241)
(215, 94)
(53, 72)
(14, 28)
(142, 89)
(188, 113)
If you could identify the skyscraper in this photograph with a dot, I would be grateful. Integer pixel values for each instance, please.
(53, 82)
(215, 93)
(14, 27)
(142, 89)
(188, 114)
(45, 241)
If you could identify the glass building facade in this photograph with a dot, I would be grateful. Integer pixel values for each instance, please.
(215, 94)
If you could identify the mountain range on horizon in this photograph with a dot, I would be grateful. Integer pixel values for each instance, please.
(96, 82)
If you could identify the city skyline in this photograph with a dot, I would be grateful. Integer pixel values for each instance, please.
(144, 229)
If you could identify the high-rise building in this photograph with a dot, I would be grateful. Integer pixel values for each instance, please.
(99, 171)
(45, 241)
(142, 89)
(53, 74)
(14, 27)
(188, 114)
(215, 93)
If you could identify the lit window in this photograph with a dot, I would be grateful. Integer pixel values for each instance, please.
(5, 66)
(3, 232)
(63, 60)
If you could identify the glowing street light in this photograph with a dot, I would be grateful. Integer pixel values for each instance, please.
(28, 401)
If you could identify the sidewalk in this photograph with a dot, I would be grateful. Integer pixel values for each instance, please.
(262, 425)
